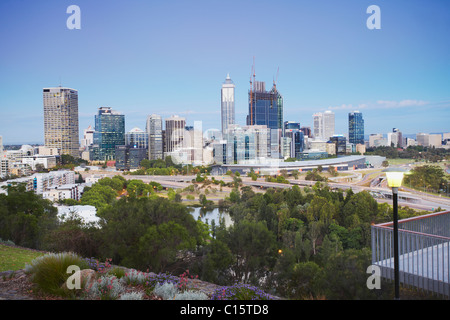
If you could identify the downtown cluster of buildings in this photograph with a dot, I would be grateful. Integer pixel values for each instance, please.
(266, 136)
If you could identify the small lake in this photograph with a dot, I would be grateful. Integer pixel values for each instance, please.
(208, 215)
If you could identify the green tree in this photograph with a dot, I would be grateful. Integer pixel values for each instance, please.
(99, 196)
(216, 263)
(306, 281)
(160, 244)
(25, 217)
(126, 221)
(253, 248)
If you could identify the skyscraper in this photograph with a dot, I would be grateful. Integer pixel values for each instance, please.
(175, 130)
(265, 107)
(323, 125)
(227, 104)
(61, 129)
(109, 133)
(355, 128)
(155, 137)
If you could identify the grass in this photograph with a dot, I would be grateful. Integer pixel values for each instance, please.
(13, 258)
(49, 272)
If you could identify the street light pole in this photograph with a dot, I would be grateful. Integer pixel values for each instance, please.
(395, 178)
(396, 255)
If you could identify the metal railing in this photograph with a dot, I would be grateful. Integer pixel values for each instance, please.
(424, 251)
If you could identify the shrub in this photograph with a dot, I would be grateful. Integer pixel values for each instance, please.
(167, 290)
(135, 277)
(98, 266)
(240, 292)
(106, 288)
(118, 272)
(49, 272)
(160, 279)
(7, 242)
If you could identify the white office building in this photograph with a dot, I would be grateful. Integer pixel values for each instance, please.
(324, 125)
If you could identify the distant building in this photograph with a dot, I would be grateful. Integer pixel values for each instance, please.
(61, 129)
(324, 125)
(47, 162)
(227, 103)
(88, 137)
(341, 144)
(265, 107)
(423, 139)
(155, 137)
(243, 144)
(40, 182)
(129, 158)
(435, 140)
(136, 138)
(109, 133)
(297, 140)
(410, 142)
(306, 131)
(47, 151)
(355, 128)
(377, 140)
(62, 192)
(361, 148)
(175, 131)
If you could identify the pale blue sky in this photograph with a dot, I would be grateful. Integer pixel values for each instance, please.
(171, 57)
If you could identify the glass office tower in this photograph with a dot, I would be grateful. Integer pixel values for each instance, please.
(109, 133)
(265, 107)
(136, 138)
(292, 130)
(355, 128)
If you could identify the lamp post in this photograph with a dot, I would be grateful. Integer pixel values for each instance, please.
(394, 178)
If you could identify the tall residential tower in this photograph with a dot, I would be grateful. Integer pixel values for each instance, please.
(227, 104)
(155, 137)
(61, 129)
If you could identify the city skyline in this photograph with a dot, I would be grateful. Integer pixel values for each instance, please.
(171, 58)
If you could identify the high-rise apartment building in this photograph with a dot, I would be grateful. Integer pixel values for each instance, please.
(155, 137)
(435, 140)
(175, 131)
(109, 133)
(227, 104)
(61, 129)
(423, 139)
(355, 128)
(323, 125)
